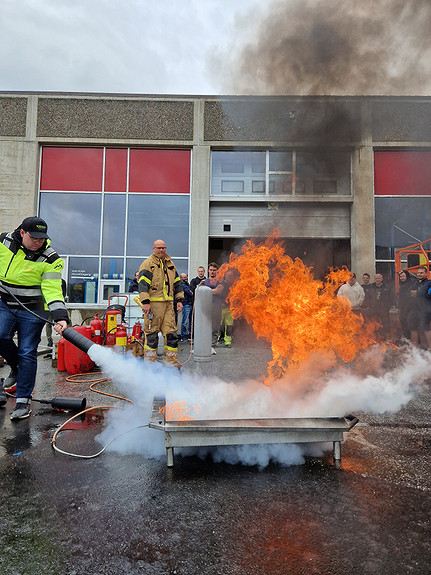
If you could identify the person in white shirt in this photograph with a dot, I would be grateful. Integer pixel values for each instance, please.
(353, 292)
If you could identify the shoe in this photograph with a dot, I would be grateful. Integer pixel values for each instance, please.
(213, 351)
(3, 397)
(9, 384)
(21, 410)
(228, 345)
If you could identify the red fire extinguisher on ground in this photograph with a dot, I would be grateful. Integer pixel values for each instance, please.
(121, 339)
(96, 329)
(114, 316)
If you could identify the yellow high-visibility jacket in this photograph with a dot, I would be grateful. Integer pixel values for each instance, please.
(34, 278)
(159, 280)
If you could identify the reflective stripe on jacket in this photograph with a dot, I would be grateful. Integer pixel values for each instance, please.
(159, 280)
(34, 278)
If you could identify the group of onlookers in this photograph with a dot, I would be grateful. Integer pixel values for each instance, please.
(375, 300)
(222, 320)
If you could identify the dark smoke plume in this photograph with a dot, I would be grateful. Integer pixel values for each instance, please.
(333, 47)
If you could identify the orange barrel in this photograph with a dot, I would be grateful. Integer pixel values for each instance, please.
(76, 360)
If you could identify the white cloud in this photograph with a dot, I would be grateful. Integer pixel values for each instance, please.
(133, 46)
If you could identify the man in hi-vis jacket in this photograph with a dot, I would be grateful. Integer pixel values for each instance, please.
(30, 281)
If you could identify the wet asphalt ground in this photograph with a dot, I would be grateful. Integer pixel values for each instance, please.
(126, 514)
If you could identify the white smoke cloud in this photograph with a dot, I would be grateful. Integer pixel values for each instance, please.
(303, 393)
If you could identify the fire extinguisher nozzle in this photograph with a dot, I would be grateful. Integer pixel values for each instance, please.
(77, 339)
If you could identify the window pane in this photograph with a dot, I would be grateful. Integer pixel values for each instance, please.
(280, 184)
(158, 217)
(402, 221)
(73, 221)
(323, 172)
(234, 172)
(71, 169)
(112, 268)
(232, 187)
(280, 161)
(83, 280)
(160, 171)
(114, 224)
(402, 173)
(115, 170)
(132, 266)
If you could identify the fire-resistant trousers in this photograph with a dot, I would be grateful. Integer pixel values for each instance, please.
(162, 319)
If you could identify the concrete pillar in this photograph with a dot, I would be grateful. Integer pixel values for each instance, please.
(362, 211)
(199, 208)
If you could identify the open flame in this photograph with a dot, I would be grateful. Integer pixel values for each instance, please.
(285, 305)
(178, 411)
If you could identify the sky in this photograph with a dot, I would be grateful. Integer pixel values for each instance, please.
(217, 47)
(117, 46)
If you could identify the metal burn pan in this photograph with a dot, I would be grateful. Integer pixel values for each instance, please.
(214, 432)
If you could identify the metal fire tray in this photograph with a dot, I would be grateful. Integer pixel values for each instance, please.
(200, 433)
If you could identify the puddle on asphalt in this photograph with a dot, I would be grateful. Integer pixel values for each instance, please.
(77, 434)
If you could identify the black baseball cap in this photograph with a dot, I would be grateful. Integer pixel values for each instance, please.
(35, 226)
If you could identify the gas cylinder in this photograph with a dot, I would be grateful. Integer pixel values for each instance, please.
(121, 339)
(96, 329)
(76, 360)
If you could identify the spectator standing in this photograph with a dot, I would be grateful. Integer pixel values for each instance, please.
(31, 270)
(407, 306)
(422, 292)
(369, 293)
(159, 284)
(383, 300)
(187, 308)
(134, 284)
(218, 298)
(198, 279)
(353, 292)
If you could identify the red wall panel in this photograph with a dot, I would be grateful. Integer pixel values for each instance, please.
(72, 169)
(402, 173)
(159, 171)
(115, 170)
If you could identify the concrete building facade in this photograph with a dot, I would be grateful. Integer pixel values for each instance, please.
(344, 180)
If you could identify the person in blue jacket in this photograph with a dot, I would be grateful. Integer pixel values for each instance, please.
(187, 308)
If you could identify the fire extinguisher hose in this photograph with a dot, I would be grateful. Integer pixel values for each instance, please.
(93, 382)
(26, 308)
(80, 455)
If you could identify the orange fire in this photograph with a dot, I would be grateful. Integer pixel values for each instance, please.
(178, 411)
(284, 304)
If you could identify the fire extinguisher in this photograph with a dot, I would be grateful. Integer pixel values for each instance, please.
(113, 318)
(96, 329)
(121, 339)
(137, 331)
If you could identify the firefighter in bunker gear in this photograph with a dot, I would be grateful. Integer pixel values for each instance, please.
(159, 285)
(30, 270)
